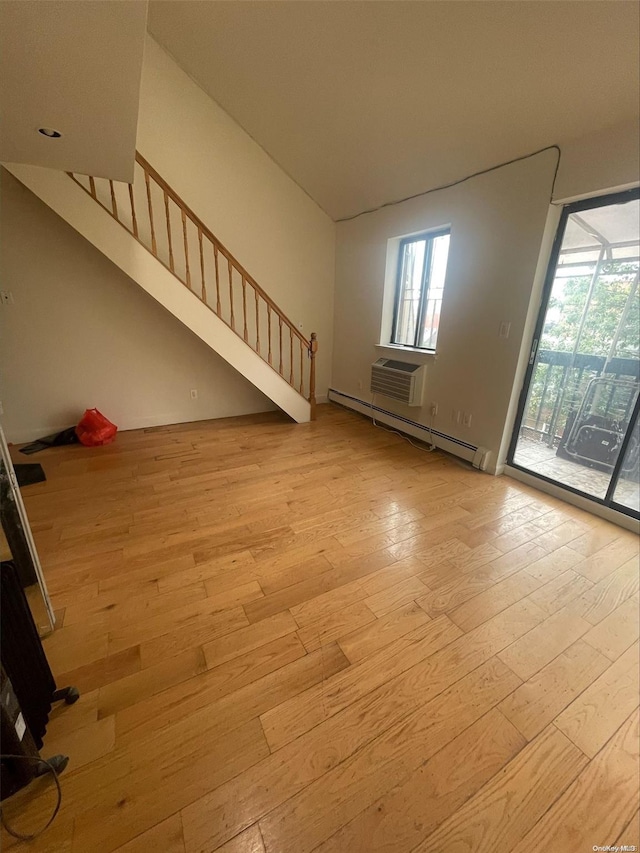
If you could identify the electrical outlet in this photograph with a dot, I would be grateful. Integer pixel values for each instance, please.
(194, 394)
(359, 384)
(466, 419)
(6, 297)
(434, 410)
(505, 328)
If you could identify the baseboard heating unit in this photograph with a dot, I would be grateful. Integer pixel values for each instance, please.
(479, 457)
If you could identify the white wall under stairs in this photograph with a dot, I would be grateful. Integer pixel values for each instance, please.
(68, 200)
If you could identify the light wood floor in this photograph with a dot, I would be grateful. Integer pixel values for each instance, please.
(318, 638)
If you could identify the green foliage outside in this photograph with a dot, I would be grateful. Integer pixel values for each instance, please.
(566, 307)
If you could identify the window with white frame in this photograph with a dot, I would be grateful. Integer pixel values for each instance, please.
(422, 266)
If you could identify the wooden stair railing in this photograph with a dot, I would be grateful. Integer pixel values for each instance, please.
(155, 215)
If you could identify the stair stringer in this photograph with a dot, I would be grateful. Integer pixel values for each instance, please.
(89, 219)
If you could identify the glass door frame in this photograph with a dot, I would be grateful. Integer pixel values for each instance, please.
(607, 501)
(23, 531)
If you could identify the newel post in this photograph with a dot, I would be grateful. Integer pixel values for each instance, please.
(313, 349)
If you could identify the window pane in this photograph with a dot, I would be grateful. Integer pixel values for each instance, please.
(435, 291)
(409, 295)
(585, 381)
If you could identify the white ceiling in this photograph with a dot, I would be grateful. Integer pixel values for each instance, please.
(73, 66)
(366, 102)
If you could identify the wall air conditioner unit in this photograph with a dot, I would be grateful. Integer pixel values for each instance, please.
(399, 380)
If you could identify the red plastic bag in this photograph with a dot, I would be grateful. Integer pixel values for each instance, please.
(94, 429)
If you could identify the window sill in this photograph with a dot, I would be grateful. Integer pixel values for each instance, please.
(412, 354)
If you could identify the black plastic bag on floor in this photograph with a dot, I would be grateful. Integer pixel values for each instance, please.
(67, 436)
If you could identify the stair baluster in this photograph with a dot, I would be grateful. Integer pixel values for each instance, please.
(227, 313)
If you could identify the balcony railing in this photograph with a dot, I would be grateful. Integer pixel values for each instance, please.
(558, 387)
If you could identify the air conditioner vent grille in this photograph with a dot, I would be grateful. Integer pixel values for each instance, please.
(401, 365)
(398, 380)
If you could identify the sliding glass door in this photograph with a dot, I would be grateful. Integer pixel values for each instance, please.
(577, 422)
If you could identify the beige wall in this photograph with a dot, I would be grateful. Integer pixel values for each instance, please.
(80, 333)
(273, 228)
(496, 224)
(501, 233)
(592, 165)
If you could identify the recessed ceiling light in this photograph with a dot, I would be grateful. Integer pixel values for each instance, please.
(48, 131)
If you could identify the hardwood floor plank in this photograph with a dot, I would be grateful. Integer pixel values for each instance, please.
(142, 685)
(238, 567)
(278, 573)
(335, 625)
(322, 607)
(598, 805)
(401, 818)
(492, 601)
(617, 631)
(239, 595)
(246, 639)
(543, 643)
(619, 550)
(121, 608)
(101, 672)
(548, 567)
(446, 550)
(395, 596)
(85, 744)
(327, 580)
(519, 536)
(221, 715)
(57, 839)
(299, 715)
(204, 628)
(347, 730)
(76, 646)
(152, 789)
(356, 545)
(630, 835)
(506, 808)
(210, 573)
(596, 539)
(564, 589)
(380, 525)
(146, 571)
(603, 598)
(563, 534)
(390, 575)
(476, 557)
(540, 699)
(249, 841)
(592, 718)
(165, 836)
(370, 639)
(316, 812)
(423, 542)
(65, 719)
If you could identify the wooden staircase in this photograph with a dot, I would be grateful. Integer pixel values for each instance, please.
(190, 272)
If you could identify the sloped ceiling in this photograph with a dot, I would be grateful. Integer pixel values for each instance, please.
(72, 66)
(366, 102)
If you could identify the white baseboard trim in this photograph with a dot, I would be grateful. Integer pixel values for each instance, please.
(594, 508)
(142, 422)
(405, 425)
